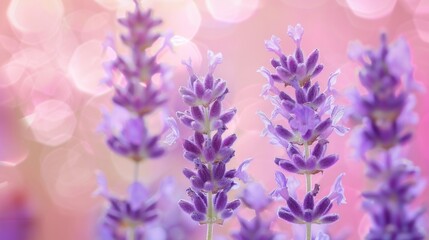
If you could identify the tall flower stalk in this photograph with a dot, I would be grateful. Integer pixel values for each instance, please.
(311, 116)
(136, 96)
(385, 114)
(207, 149)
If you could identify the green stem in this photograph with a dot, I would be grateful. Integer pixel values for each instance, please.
(210, 216)
(308, 186)
(131, 231)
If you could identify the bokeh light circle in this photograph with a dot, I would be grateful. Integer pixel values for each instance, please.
(371, 9)
(52, 122)
(37, 18)
(10, 73)
(85, 66)
(69, 176)
(232, 11)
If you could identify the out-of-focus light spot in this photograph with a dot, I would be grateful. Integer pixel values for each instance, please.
(114, 4)
(371, 9)
(97, 22)
(85, 66)
(68, 174)
(44, 85)
(32, 57)
(184, 20)
(10, 73)
(421, 20)
(232, 11)
(52, 122)
(183, 49)
(305, 4)
(36, 17)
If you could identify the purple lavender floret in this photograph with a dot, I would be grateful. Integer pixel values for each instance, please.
(255, 198)
(129, 215)
(385, 115)
(309, 211)
(210, 181)
(311, 116)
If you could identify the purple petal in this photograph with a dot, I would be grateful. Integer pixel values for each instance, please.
(186, 206)
(227, 116)
(137, 195)
(327, 161)
(241, 171)
(329, 218)
(198, 217)
(295, 207)
(308, 201)
(220, 201)
(215, 109)
(284, 133)
(337, 190)
(233, 205)
(197, 113)
(288, 166)
(284, 214)
(312, 60)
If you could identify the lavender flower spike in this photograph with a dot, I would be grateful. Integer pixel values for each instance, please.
(207, 148)
(127, 133)
(385, 115)
(311, 116)
(136, 95)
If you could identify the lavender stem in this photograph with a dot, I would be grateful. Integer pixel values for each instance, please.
(308, 181)
(210, 217)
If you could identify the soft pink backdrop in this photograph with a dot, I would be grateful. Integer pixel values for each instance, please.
(50, 96)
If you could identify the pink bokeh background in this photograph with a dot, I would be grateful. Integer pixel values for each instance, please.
(50, 94)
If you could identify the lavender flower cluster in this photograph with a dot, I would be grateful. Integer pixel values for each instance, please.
(312, 117)
(386, 115)
(210, 153)
(135, 97)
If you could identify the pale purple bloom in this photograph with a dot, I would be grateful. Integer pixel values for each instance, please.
(254, 229)
(295, 32)
(385, 114)
(254, 197)
(241, 171)
(133, 212)
(208, 149)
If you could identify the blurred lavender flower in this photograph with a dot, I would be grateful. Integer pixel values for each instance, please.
(385, 115)
(137, 94)
(255, 198)
(126, 216)
(211, 180)
(312, 117)
(17, 218)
